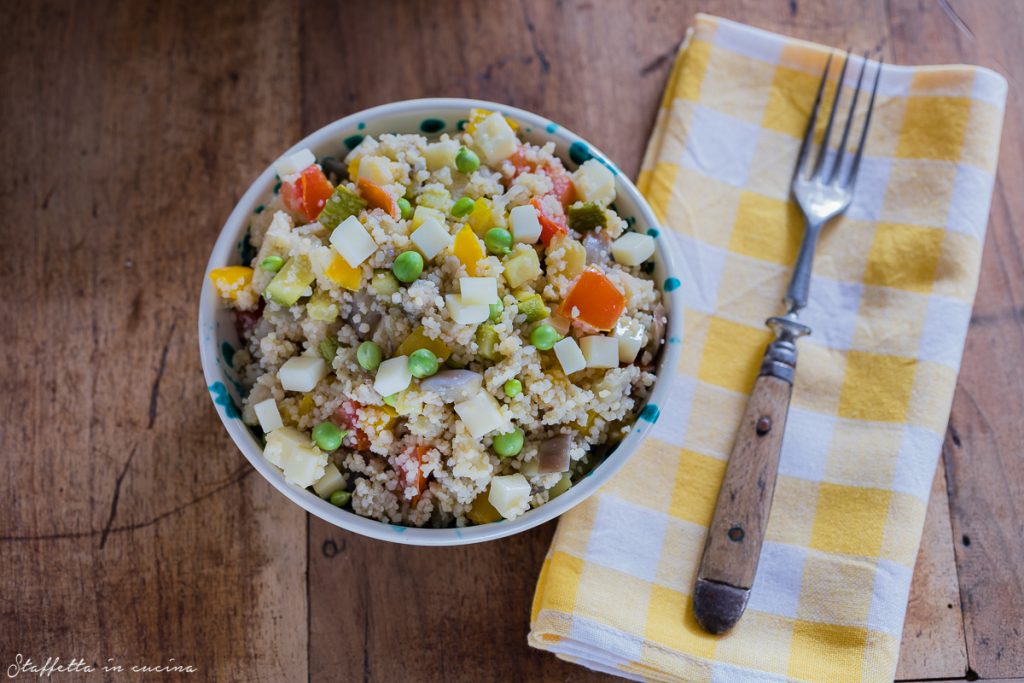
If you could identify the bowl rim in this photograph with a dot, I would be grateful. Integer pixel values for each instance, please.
(244, 440)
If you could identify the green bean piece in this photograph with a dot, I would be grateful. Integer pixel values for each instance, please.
(328, 349)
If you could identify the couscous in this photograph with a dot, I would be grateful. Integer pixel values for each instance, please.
(443, 332)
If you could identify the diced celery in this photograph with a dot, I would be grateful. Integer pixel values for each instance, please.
(586, 216)
(533, 307)
(487, 340)
(522, 266)
(339, 206)
(291, 282)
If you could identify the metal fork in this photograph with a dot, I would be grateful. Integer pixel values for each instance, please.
(823, 189)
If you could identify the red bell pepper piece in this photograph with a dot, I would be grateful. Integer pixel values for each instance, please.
(308, 194)
(346, 417)
(551, 224)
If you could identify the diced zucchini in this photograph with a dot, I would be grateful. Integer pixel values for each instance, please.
(384, 283)
(521, 267)
(291, 282)
(322, 307)
(533, 307)
(563, 485)
(587, 216)
(339, 206)
(328, 349)
(487, 340)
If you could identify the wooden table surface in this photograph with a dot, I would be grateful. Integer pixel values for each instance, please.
(133, 528)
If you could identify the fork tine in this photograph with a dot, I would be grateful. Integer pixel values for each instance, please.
(841, 150)
(823, 151)
(808, 140)
(852, 177)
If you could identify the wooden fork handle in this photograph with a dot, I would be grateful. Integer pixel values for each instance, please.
(733, 544)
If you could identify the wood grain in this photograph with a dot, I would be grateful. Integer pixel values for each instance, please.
(734, 538)
(131, 526)
(933, 633)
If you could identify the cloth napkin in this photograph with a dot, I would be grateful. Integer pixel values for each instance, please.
(894, 281)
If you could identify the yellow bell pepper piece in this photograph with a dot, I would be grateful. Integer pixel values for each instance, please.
(377, 418)
(343, 274)
(481, 511)
(478, 115)
(306, 404)
(467, 248)
(481, 218)
(353, 169)
(230, 280)
(418, 340)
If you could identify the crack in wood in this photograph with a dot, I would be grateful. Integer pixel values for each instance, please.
(60, 536)
(154, 393)
(116, 497)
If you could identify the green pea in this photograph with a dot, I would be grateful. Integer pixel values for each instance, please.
(369, 356)
(272, 264)
(405, 207)
(327, 436)
(422, 363)
(509, 444)
(462, 207)
(498, 241)
(466, 160)
(513, 388)
(408, 266)
(544, 337)
(496, 308)
(340, 498)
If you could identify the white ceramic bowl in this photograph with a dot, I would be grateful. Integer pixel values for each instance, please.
(218, 339)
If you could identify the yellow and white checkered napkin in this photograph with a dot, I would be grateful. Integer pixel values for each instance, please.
(894, 280)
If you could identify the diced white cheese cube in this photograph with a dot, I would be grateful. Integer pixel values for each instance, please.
(478, 290)
(301, 373)
(594, 182)
(480, 414)
(495, 139)
(289, 167)
(351, 240)
(465, 313)
(295, 454)
(441, 154)
(329, 483)
(392, 376)
(431, 238)
(422, 213)
(569, 355)
(376, 169)
(629, 334)
(510, 495)
(525, 224)
(268, 415)
(632, 249)
(600, 351)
